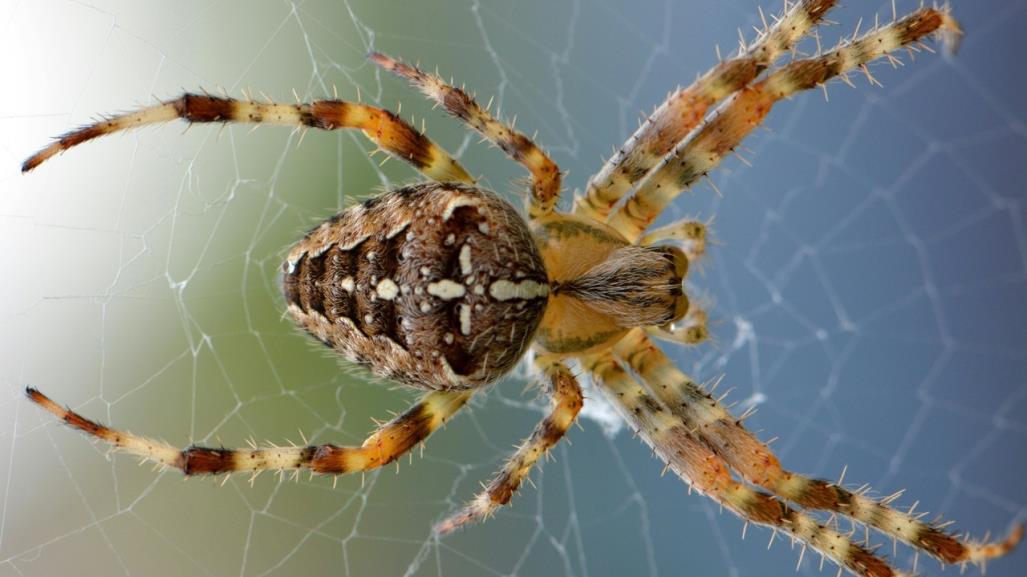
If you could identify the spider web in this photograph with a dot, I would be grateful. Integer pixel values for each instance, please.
(868, 287)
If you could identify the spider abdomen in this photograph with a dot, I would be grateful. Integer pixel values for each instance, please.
(436, 286)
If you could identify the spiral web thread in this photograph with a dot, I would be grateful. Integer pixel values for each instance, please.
(867, 286)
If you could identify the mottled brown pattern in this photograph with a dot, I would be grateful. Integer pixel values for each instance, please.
(425, 247)
(443, 286)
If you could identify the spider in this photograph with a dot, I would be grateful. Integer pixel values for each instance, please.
(444, 286)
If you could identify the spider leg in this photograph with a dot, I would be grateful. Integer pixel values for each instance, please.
(706, 472)
(545, 175)
(385, 445)
(565, 394)
(384, 128)
(700, 152)
(691, 234)
(685, 108)
(725, 435)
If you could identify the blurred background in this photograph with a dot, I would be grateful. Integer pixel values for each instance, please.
(868, 288)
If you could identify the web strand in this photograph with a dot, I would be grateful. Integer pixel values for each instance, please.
(865, 289)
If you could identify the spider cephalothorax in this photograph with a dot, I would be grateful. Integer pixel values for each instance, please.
(444, 286)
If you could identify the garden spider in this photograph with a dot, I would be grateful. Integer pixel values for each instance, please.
(443, 286)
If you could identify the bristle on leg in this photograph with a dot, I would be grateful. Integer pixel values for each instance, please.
(387, 444)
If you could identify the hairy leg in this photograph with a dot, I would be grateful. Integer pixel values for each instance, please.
(703, 150)
(545, 175)
(565, 394)
(754, 461)
(706, 472)
(384, 446)
(685, 108)
(384, 128)
(689, 233)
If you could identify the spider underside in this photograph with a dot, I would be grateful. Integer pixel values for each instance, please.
(444, 286)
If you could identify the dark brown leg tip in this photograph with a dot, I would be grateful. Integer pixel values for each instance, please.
(30, 163)
(44, 402)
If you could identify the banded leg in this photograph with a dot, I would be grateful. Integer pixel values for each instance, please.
(705, 472)
(384, 128)
(690, 234)
(387, 444)
(702, 151)
(545, 175)
(565, 394)
(754, 461)
(684, 109)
